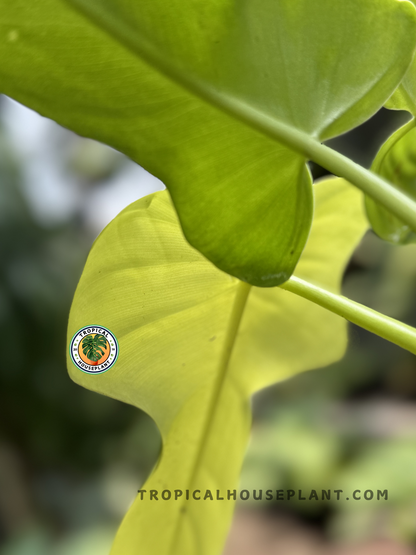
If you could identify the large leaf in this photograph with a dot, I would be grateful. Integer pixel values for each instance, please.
(404, 97)
(176, 318)
(321, 67)
(178, 86)
(396, 162)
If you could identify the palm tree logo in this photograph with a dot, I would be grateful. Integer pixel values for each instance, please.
(93, 347)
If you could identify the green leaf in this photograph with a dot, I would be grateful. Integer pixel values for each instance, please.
(194, 91)
(396, 162)
(404, 97)
(177, 320)
(283, 59)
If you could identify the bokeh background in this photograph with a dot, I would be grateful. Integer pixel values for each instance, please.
(71, 460)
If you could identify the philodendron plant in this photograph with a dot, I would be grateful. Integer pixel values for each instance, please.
(229, 280)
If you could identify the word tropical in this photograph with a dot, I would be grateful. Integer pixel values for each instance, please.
(94, 349)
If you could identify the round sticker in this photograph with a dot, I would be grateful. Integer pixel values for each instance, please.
(94, 349)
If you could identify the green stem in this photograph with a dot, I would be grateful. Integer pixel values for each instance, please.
(402, 335)
(371, 184)
(381, 191)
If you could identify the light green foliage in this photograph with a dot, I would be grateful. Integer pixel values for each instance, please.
(279, 57)
(174, 315)
(404, 97)
(156, 80)
(287, 451)
(225, 101)
(384, 464)
(294, 448)
(396, 162)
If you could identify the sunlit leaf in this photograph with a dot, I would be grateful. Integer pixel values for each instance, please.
(176, 85)
(174, 316)
(396, 162)
(284, 334)
(404, 97)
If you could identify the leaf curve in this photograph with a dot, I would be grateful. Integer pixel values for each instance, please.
(396, 162)
(176, 318)
(404, 97)
(338, 226)
(243, 199)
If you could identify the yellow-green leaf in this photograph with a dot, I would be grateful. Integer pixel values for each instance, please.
(396, 162)
(176, 318)
(404, 97)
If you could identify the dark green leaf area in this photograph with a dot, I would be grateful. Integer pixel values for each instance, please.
(258, 229)
(92, 346)
(396, 162)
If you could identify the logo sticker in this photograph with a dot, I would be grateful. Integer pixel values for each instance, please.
(94, 349)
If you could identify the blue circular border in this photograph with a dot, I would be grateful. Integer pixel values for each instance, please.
(101, 371)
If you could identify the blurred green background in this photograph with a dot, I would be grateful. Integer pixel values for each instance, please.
(71, 460)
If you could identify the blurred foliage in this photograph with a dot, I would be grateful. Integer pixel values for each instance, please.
(60, 445)
(351, 425)
(71, 460)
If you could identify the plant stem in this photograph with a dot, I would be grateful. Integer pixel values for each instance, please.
(371, 184)
(368, 182)
(374, 186)
(401, 334)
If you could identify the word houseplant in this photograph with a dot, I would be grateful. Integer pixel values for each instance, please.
(225, 102)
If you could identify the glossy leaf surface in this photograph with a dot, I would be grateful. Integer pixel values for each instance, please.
(396, 162)
(176, 318)
(175, 85)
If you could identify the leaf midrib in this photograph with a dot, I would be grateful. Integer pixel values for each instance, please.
(400, 204)
(136, 43)
(240, 300)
